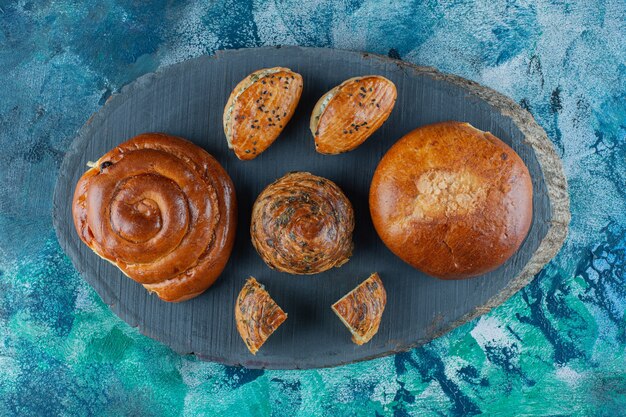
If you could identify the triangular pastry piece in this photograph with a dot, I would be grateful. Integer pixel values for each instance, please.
(362, 308)
(257, 315)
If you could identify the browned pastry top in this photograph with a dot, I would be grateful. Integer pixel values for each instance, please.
(163, 210)
(357, 108)
(257, 315)
(362, 308)
(302, 224)
(451, 200)
(261, 110)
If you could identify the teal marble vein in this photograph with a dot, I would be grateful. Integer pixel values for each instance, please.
(557, 348)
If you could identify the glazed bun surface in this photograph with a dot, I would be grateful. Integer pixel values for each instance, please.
(162, 210)
(451, 200)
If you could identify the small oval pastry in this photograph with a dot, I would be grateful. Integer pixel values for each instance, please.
(350, 113)
(302, 224)
(451, 200)
(162, 210)
(362, 308)
(257, 315)
(259, 108)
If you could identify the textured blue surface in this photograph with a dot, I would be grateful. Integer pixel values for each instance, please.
(556, 348)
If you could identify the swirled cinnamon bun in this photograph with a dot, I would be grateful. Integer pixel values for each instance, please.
(162, 210)
(302, 224)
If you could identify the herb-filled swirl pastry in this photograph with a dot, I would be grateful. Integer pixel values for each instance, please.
(302, 224)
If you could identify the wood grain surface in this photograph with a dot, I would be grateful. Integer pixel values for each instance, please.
(188, 99)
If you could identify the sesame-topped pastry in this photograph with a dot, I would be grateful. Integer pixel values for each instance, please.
(350, 113)
(257, 315)
(302, 224)
(362, 308)
(259, 108)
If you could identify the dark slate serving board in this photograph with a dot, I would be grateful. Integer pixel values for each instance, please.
(188, 99)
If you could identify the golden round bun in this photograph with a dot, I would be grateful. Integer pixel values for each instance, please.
(451, 200)
(162, 210)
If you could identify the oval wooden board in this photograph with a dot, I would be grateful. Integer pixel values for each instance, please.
(188, 99)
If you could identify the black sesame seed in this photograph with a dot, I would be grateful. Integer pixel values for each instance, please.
(363, 89)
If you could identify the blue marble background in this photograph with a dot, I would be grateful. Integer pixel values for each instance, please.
(557, 348)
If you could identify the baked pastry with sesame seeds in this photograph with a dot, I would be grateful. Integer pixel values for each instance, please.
(259, 108)
(350, 113)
